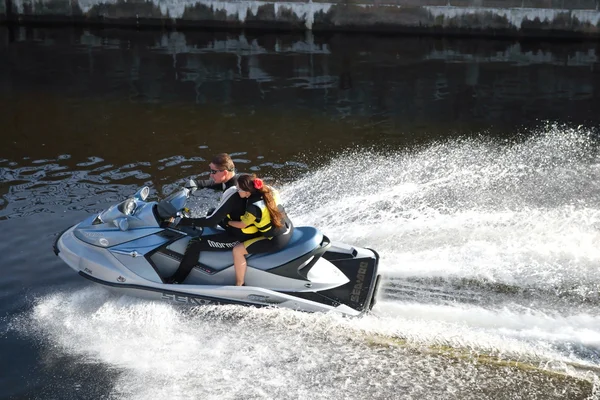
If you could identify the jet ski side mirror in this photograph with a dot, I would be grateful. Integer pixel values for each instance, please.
(142, 194)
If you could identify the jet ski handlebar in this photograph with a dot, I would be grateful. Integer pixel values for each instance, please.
(173, 206)
(167, 209)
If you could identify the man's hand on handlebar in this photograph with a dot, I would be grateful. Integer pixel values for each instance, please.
(186, 222)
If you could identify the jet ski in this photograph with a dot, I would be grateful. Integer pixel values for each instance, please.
(134, 246)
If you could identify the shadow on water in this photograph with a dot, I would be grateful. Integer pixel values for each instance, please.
(33, 367)
(50, 372)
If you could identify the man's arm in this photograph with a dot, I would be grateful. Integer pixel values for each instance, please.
(225, 207)
(208, 184)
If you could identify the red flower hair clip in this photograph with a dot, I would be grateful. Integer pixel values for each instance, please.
(258, 183)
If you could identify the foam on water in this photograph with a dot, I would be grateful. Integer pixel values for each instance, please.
(525, 333)
(521, 216)
(237, 352)
(514, 225)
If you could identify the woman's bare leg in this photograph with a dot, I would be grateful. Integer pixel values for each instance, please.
(239, 263)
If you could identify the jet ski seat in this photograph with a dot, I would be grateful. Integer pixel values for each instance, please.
(304, 240)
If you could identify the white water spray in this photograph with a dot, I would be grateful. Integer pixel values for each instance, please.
(486, 248)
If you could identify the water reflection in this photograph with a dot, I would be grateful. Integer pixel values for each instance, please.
(401, 78)
(158, 99)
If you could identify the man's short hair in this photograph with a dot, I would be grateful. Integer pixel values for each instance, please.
(223, 162)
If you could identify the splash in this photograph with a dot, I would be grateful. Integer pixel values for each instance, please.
(498, 238)
(236, 352)
(523, 213)
(488, 249)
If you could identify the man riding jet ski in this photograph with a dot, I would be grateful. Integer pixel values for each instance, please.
(231, 207)
(133, 247)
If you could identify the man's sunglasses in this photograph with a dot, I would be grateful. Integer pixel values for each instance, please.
(214, 171)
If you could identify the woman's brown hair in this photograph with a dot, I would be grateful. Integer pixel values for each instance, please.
(249, 183)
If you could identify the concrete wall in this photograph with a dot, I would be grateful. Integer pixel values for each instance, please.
(491, 17)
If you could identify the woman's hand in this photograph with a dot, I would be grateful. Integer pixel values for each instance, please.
(237, 224)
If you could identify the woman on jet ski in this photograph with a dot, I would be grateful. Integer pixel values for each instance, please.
(223, 177)
(230, 207)
(267, 215)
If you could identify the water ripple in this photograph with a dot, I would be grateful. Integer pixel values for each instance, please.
(50, 186)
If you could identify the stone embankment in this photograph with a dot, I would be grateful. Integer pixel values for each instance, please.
(560, 18)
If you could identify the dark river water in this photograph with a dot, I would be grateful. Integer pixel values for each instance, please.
(470, 165)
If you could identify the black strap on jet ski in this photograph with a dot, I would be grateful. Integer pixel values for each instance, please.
(190, 259)
(219, 242)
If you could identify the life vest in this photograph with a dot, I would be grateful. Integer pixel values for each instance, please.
(250, 229)
(263, 222)
(232, 191)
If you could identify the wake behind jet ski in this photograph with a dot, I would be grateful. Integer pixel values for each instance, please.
(135, 246)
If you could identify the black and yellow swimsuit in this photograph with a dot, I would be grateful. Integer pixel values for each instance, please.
(272, 238)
